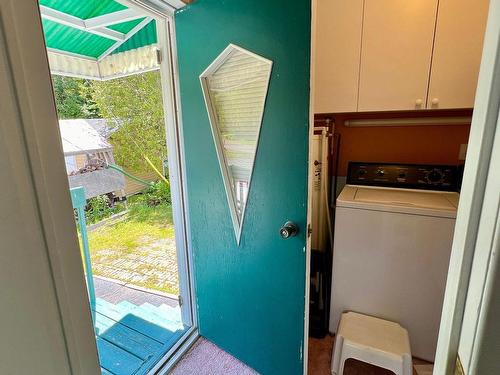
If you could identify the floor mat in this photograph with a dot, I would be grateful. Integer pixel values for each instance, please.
(205, 358)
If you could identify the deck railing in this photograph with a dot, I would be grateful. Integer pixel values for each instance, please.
(79, 202)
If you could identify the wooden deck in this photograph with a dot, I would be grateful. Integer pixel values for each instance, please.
(132, 338)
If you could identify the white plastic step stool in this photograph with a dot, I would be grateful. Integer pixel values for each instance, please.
(372, 340)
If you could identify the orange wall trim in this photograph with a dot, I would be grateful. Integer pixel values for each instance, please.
(427, 144)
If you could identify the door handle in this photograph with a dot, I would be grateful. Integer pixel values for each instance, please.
(289, 229)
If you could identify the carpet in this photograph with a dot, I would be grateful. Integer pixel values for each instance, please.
(205, 358)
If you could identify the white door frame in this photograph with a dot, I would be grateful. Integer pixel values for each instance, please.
(169, 72)
(470, 229)
(310, 175)
(30, 76)
(163, 15)
(481, 293)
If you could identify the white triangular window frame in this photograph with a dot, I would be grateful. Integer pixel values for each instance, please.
(213, 117)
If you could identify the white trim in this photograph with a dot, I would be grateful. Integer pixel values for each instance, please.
(154, 8)
(484, 122)
(176, 163)
(310, 175)
(120, 16)
(484, 273)
(77, 23)
(174, 355)
(422, 121)
(70, 54)
(219, 60)
(73, 65)
(113, 66)
(126, 37)
(177, 4)
(141, 59)
(180, 135)
(122, 75)
(43, 155)
(74, 75)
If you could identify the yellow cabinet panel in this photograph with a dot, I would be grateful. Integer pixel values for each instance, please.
(457, 53)
(396, 54)
(337, 46)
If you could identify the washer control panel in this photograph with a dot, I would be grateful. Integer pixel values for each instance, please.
(410, 176)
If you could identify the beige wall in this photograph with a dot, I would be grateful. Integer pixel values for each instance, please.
(133, 187)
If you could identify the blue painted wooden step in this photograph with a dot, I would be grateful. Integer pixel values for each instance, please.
(125, 338)
(116, 360)
(131, 338)
(153, 315)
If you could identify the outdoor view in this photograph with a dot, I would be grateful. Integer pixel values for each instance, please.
(114, 143)
(130, 229)
(104, 60)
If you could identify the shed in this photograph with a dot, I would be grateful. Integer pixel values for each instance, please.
(86, 154)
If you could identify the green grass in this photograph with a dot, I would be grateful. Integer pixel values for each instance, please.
(142, 225)
(138, 248)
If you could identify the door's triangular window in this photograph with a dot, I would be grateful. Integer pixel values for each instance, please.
(235, 88)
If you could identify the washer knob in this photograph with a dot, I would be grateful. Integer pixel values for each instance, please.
(435, 176)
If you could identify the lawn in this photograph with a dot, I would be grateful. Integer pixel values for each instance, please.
(138, 248)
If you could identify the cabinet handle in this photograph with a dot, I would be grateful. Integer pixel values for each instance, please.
(419, 103)
(435, 102)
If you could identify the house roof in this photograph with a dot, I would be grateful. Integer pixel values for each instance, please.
(90, 38)
(80, 136)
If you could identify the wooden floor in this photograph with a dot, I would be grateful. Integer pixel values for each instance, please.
(132, 338)
(320, 356)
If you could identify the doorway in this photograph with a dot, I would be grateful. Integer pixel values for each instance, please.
(373, 139)
(113, 82)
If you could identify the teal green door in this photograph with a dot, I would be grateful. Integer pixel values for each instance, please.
(250, 297)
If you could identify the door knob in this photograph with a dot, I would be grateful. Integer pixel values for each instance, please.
(288, 230)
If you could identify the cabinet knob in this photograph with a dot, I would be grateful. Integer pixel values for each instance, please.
(419, 103)
(435, 102)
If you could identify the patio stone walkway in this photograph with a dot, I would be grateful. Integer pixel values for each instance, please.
(115, 292)
(152, 266)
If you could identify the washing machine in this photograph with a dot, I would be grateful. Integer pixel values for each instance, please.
(392, 243)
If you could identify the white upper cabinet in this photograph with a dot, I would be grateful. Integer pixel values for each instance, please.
(336, 55)
(387, 55)
(457, 53)
(396, 54)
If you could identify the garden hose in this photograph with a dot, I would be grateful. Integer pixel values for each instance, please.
(131, 176)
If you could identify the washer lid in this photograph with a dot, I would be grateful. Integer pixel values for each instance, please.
(433, 203)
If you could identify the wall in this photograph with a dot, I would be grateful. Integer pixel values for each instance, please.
(432, 144)
(133, 187)
(250, 298)
(45, 321)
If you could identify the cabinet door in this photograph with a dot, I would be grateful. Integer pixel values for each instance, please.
(396, 54)
(457, 53)
(336, 55)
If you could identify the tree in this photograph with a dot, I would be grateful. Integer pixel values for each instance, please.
(134, 107)
(71, 100)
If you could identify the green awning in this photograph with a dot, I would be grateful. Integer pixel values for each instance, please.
(99, 39)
